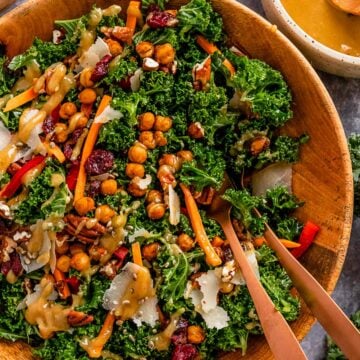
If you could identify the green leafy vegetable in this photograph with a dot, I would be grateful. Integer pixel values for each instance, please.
(73, 27)
(158, 36)
(354, 148)
(11, 119)
(6, 80)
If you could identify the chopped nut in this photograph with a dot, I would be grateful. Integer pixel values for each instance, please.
(122, 33)
(78, 318)
(150, 64)
(196, 131)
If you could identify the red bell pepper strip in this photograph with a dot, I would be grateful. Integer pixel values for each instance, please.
(120, 253)
(14, 184)
(307, 237)
(71, 177)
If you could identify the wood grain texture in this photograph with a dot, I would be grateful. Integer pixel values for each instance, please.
(322, 178)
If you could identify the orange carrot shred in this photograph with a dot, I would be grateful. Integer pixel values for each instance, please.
(290, 244)
(54, 150)
(21, 99)
(211, 48)
(212, 258)
(259, 241)
(88, 148)
(133, 9)
(136, 253)
(60, 277)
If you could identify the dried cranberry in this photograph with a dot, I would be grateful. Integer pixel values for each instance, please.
(5, 267)
(67, 150)
(99, 162)
(13, 264)
(75, 135)
(184, 352)
(73, 283)
(94, 188)
(101, 69)
(180, 334)
(125, 83)
(160, 19)
(48, 125)
(120, 253)
(71, 177)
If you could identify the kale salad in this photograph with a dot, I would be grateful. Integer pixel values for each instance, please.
(104, 132)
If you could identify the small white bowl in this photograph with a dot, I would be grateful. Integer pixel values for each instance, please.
(321, 56)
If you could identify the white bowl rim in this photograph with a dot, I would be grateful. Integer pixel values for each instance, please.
(337, 55)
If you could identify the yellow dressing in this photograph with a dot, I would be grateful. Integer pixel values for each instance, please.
(328, 25)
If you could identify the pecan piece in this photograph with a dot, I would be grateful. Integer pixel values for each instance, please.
(122, 33)
(73, 227)
(206, 196)
(78, 318)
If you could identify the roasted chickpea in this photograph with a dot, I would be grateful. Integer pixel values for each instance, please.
(67, 110)
(63, 263)
(87, 96)
(132, 170)
(165, 174)
(137, 153)
(77, 248)
(145, 49)
(108, 187)
(185, 155)
(195, 334)
(162, 123)
(171, 160)
(185, 242)
(134, 190)
(85, 78)
(104, 213)
(164, 54)
(154, 196)
(196, 131)
(156, 211)
(259, 144)
(96, 252)
(80, 261)
(150, 251)
(217, 241)
(160, 138)
(114, 47)
(84, 205)
(82, 122)
(62, 248)
(146, 121)
(61, 133)
(226, 287)
(147, 139)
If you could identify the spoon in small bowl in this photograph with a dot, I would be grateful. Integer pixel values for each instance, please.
(348, 6)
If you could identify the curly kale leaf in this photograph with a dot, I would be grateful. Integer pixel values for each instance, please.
(244, 205)
(56, 204)
(117, 136)
(73, 27)
(287, 228)
(277, 284)
(198, 16)
(174, 269)
(160, 3)
(207, 168)
(261, 89)
(354, 148)
(40, 190)
(6, 79)
(158, 36)
(11, 119)
(12, 322)
(45, 53)
(119, 71)
(333, 351)
(210, 109)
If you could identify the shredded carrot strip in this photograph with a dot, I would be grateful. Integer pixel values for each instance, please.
(212, 258)
(21, 99)
(136, 253)
(290, 244)
(133, 12)
(54, 150)
(210, 48)
(259, 241)
(60, 276)
(88, 148)
(95, 346)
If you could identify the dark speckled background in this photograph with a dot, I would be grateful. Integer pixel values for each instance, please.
(346, 96)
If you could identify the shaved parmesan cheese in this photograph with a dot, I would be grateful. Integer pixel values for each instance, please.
(107, 115)
(147, 313)
(273, 175)
(34, 296)
(143, 184)
(118, 286)
(215, 318)
(140, 233)
(5, 136)
(34, 141)
(250, 254)
(94, 54)
(174, 206)
(135, 80)
(209, 285)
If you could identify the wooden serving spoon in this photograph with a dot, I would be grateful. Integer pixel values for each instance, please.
(278, 333)
(349, 6)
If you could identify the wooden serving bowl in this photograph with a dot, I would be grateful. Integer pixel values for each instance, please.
(323, 177)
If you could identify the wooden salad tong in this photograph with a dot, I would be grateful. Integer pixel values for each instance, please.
(277, 331)
(278, 334)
